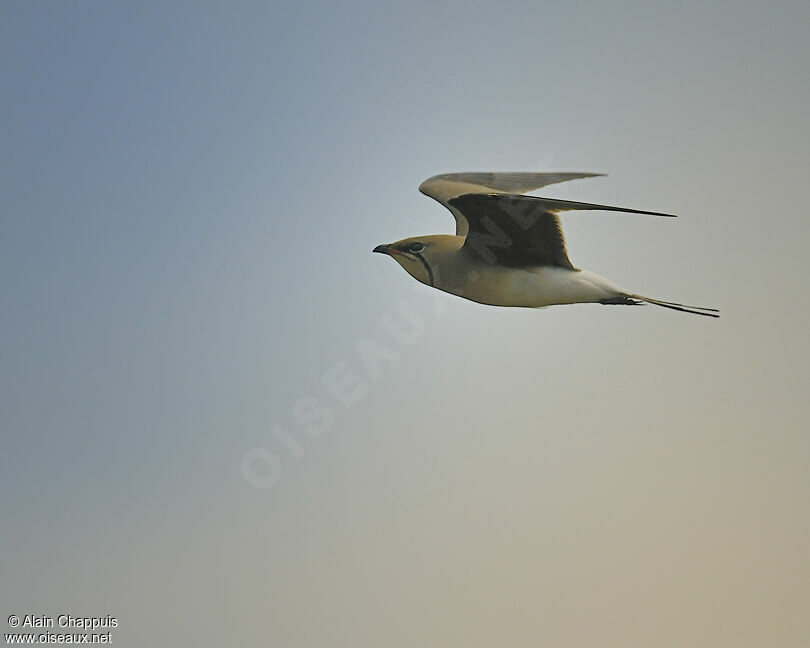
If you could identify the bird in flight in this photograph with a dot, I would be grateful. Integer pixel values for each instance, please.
(509, 249)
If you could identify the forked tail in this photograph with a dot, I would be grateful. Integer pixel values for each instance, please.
(695, 310)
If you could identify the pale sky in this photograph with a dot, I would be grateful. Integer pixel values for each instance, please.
(189, 197)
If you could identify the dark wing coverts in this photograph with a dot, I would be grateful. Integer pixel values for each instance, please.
(511, 230)
(515, 230)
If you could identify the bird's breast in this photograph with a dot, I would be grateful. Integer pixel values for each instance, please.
(531, 287)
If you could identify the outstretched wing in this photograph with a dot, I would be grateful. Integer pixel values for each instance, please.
(514, 230)
(447, 186)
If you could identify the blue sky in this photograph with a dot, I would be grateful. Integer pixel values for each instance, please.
(190, 193)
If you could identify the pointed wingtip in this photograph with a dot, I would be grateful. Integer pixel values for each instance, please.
(578, 175)
(585, 174)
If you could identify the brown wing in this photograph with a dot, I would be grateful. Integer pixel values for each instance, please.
(513, 231)
(446, 186)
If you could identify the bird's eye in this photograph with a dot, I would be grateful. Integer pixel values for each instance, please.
(416, 247)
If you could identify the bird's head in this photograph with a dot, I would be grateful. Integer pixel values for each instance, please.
(421, 255)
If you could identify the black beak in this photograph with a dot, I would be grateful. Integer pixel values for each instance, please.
(382, 249)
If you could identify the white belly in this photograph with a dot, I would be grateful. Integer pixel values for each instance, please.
(535, 287)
